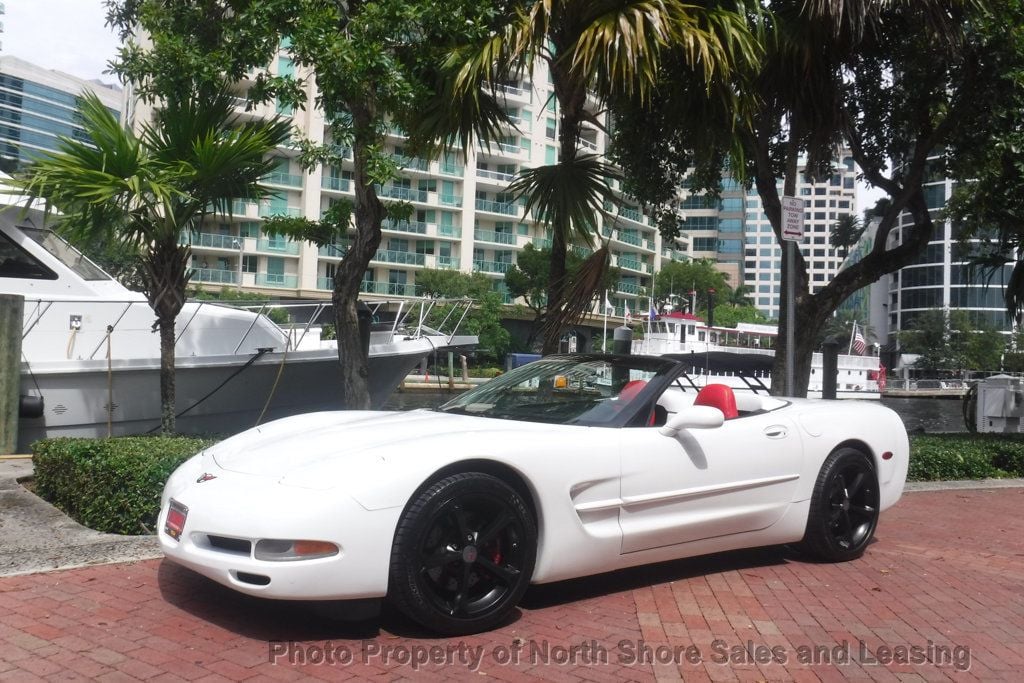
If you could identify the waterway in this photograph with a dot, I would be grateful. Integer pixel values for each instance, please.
(919, 414)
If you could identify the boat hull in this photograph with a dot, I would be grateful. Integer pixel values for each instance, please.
(76, 393)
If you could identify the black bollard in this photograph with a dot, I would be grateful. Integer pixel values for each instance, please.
(829, 367)
(622, 340)
(365, 317)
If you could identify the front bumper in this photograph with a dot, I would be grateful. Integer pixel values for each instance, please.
(246, 509)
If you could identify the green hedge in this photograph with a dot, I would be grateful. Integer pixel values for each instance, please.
(935, 457)
(114, 485)
(110, 485)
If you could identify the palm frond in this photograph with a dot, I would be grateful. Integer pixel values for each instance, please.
(619, 47)
(569, 195)
(578, 295)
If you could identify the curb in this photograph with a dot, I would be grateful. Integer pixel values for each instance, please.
(962, 485)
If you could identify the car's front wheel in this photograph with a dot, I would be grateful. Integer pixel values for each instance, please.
(463, 554)
(844, 507)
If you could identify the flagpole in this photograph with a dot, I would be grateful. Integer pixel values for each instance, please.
(853, 333)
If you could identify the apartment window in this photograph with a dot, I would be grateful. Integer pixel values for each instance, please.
(250, 263)
(551, 129)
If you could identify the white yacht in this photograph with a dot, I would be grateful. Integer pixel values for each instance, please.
(677, 333)
(92, 358)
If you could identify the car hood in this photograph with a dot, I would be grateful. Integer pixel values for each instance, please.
(294, 448)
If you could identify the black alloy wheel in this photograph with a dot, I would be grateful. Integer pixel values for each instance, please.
(463, 554)
(844, 507)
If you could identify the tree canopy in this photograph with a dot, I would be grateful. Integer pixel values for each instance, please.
(893, 81)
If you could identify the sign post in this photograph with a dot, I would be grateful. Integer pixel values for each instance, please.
(792, 232)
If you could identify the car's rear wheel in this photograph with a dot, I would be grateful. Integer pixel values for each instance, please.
(844, 507)
(463, 554)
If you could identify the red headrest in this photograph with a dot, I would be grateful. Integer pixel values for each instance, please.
(718, 396)
(631, 389)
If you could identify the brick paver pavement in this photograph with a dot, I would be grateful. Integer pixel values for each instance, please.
(942, 590)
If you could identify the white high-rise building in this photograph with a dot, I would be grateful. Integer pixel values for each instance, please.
(464, 218)
(736, 233)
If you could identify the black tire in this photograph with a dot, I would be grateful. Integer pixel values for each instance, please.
(844, 507)
(463, 554)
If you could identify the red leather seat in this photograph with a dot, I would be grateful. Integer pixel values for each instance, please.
(718, 396)
(631, 389)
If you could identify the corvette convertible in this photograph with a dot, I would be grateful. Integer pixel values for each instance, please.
(568, 466)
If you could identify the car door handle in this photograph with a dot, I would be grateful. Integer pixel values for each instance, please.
(776, 432)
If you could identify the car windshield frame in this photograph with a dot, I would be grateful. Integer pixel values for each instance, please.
(580, 390)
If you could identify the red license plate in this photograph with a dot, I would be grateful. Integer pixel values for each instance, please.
(175, 523)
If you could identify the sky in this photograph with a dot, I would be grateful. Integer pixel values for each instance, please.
(66, 35)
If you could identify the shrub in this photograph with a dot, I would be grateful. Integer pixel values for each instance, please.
(489, 373)
(110, 485)
(961, 456)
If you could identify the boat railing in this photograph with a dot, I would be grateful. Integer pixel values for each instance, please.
(411, 319)
(405, 318)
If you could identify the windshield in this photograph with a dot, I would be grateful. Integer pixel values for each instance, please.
(66, 254)
(584, 390)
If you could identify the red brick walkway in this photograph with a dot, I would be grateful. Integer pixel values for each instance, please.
(943, 588)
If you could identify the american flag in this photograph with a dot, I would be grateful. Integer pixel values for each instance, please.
(859, 345)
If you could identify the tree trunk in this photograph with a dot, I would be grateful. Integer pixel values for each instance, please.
(165, 276)
(369, 212)
(167, 400)
(571, 96)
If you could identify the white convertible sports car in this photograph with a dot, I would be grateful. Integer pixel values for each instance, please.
(568, 466)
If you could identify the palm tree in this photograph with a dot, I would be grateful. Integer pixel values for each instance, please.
(592, 49)
(846, 232)
(740, 296)
(147, 190)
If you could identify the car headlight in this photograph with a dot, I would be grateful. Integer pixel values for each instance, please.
(283, 550)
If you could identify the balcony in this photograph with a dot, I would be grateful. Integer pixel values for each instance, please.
(628, 238)
(448, 262)
(407, 194)
(511, 90)
(509, 149)
(630, 264)
(208, 240)
(388, 288)
(325, 283)
(336, 250)
(496, 237)
(588, 145)
(491, 266)
(450, 231)
(495, 175)
(631, 214)
(242, 208)
(414, 227)
(505, 208)
(452, 169)
(628, 288)
(268, 210)
(336, 184)
(542, 242)
(411, 163)
(221, 277)
(277, 280)
(450, 200)
(278, 246)
(409, 258)
(285, 179)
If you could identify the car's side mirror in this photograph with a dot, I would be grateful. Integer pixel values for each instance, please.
(694, 417)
